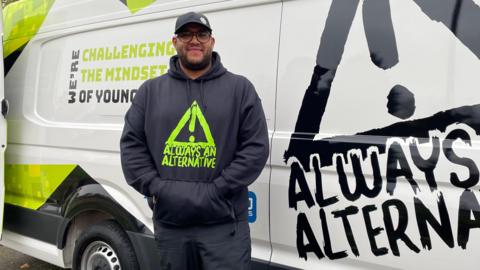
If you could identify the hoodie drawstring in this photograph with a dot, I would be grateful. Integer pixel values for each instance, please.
(234, 217)
(189, 94)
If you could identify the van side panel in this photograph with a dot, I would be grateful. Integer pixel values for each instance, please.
(75, 78)
(376, 159)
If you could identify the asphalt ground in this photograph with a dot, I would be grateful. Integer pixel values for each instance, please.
(13, 260)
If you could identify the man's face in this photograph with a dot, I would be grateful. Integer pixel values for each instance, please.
(194, 54)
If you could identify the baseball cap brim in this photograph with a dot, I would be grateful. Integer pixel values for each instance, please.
(192, 17)
(192, 21)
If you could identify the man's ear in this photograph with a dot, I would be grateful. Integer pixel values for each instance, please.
(174, 41)
(213, 42)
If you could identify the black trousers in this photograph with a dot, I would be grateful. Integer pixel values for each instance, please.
(212, 247)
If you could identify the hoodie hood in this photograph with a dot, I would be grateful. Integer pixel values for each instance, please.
(215, 71)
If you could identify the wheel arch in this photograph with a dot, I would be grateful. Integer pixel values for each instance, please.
(92, 198)
(87, 205)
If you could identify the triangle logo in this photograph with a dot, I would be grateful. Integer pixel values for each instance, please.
(194, 151)
(190, 118)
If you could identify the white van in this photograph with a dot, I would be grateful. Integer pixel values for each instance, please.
(372, 110)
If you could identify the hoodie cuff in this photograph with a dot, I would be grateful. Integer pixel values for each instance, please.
(154, 187)
(222, 186)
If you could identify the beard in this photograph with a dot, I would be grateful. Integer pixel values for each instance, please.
(197, 65)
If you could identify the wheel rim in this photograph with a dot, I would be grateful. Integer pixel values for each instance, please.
(100, 256)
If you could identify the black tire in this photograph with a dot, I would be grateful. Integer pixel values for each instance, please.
(106, 246)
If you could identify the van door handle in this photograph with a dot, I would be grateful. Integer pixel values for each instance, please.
(5, 107)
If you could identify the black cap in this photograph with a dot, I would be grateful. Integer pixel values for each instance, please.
(192, 17)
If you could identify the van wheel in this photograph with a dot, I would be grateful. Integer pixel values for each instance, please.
(104, 246)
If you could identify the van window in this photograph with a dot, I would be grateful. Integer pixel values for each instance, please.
(91, 77)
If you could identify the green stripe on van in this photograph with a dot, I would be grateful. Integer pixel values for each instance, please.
(136, 5)
(30, 185)
(21, 21)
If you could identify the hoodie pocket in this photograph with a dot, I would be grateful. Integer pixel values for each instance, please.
(187, 203)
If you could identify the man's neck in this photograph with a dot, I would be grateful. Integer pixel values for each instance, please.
(193, 74)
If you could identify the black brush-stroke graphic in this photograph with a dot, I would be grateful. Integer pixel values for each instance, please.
(418, 128)
(10, 60)
(372, 232)
(462, 18)
(343, 214)
(401, 102)
(329, 55)
(332, 44)
(377, 21)
(330, 52)
(443, 227)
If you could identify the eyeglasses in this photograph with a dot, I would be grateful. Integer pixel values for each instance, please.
(202, 37)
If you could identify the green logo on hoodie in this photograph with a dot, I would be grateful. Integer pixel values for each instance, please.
(191, 153)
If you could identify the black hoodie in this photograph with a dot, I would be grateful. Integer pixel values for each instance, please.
(195, 145)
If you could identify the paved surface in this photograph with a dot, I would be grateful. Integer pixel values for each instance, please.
(12, 260)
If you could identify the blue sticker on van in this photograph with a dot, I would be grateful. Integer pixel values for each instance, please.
(252, 207)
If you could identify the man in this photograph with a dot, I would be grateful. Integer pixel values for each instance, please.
(194, 139)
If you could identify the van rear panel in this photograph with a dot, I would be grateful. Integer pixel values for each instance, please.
(376, 159)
